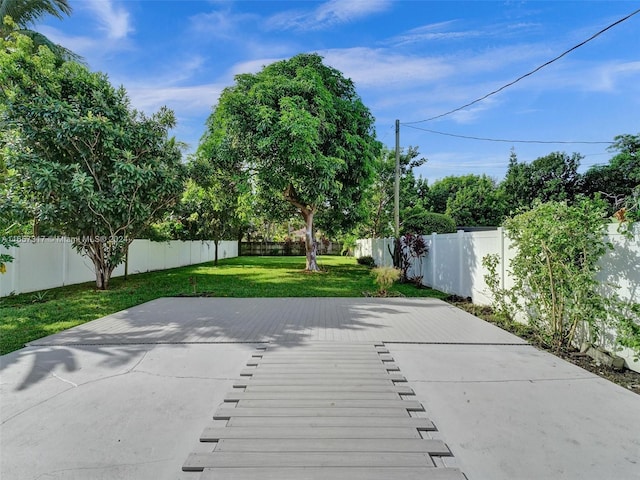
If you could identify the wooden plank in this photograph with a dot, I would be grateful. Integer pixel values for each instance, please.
(323, 353)
(234, 397)
(300, 370)
(199, 461)
(214, 434)
(224, 413)
(398, 445)
(327, 346)
(317, 362)
(335, 473)
(394, 377)
(422, 424)
(320, 353)
(401, 388)
(315, 381)
(410, 405)
(284, 368)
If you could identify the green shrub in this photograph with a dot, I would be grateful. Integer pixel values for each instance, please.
(367, 260)
(422, 222)
(384, 278)
(558, 248)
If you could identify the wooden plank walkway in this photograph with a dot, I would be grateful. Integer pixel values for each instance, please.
(321, 411)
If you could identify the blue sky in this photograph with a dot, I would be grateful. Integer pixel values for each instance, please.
(410, 60)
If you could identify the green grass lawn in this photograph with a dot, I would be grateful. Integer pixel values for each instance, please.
(30, 316)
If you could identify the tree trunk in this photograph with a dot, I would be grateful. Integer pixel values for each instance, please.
(102, 271)
(216, 242)
(396, 255)
(307, 212)
(240, 235)
(310, 242)
(101, 256)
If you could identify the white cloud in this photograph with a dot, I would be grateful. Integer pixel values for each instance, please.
(332, 12)
(613, 77)
(252, 66)
(185, 101)
(434, 31)
(220, 23)
(472, 113)
(78, 44)
(607, 77)
(343, 11)
(443, 31)
(114, 20)
(379, 68)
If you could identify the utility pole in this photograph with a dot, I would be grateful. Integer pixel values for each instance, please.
(396, 203)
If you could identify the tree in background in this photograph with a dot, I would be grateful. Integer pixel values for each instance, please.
(101, 170)
(25, 13)
(306, 137)
(213, 201)
(478, 202)
(618, 182)
(471, 200)
(417, 220)
(553, 177)
(440, 191)
(380, 216)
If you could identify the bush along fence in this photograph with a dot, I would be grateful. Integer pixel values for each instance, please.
(52, 262)
(480, 266)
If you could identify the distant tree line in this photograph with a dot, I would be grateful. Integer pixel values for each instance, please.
(482, 201)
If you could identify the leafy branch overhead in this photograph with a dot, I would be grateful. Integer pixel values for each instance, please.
(20, 15)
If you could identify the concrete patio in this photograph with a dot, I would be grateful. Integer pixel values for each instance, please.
(129, 395)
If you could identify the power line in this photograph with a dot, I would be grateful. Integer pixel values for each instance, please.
(469, 137)
(387, 132)
(529, 73)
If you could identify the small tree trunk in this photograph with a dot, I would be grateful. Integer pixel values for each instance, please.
(101, 270)
(126, 263)
(310, 243)
(396, 255)
(102, 266)
(216, 242)
(307, 213)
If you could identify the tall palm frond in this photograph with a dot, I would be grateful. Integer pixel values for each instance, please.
(25, 13)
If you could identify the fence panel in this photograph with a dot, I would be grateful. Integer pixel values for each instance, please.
(454, 265)
(51, 263)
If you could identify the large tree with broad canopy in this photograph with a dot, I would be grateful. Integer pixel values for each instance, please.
(302, 133)
(89, 165)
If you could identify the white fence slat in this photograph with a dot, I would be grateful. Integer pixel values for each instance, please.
(50, 263)
(454, 264)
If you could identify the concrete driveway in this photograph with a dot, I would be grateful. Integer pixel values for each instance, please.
(127, 396)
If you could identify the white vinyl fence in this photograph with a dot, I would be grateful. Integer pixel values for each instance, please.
(454, 264)
(50, 263)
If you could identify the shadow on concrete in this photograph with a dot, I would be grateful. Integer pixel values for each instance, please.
(124, 336)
